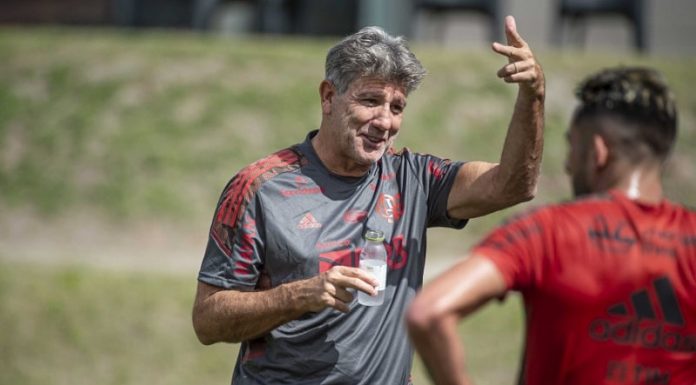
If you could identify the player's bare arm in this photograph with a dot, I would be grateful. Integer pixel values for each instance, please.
(481, 187)
(221, 315)
(433, 316)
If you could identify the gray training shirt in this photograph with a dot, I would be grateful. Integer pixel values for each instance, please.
(286, 217)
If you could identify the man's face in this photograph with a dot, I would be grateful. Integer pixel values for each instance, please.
(578, 162)
(366, 119)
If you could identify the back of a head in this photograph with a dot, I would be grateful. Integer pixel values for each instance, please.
(371, 52)
(639, 100)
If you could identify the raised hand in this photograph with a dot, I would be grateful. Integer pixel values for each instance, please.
(522, 67)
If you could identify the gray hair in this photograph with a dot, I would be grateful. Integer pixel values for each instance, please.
(373, 52)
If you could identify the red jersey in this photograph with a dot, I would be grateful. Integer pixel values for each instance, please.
(609, 287)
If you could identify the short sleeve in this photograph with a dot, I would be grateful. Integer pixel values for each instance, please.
(233, 256)
(437, 177)
(517, 249)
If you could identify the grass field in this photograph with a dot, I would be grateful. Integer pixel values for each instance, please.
(115, 145)
(78, 325)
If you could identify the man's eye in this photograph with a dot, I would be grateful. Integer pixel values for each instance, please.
(396, 109)
(370, 102)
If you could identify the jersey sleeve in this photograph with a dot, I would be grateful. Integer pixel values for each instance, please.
(517, 249)
(437, 177)
(234, 255)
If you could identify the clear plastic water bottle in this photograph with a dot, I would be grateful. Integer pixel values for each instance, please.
(373, 259)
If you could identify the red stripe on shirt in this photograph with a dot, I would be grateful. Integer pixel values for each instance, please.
(241, 189)
(242, 268)
(247, 182)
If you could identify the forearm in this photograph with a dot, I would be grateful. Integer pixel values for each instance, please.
(433, 315)
(481, 187)
(441, 354)
(520, 162)
(234, 316)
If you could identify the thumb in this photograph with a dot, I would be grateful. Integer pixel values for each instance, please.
(513, 38)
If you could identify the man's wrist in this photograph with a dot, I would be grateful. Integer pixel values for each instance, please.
(288, 296)
(535, 89)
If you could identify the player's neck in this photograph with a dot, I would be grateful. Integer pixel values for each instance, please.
(641, 183)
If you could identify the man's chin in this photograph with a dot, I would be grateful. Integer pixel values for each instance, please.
(369, 157)
(366, 162)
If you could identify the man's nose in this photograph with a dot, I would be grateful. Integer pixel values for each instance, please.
(383, 118)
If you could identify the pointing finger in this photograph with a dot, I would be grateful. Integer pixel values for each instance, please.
(513, 37)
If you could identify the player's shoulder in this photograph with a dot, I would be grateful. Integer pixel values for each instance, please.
(681, 207)
(247, 182)
(405, 156)
(255, 174)
(280, 161)
(608, 201)
(682, 213)
(577, 207)
(582, 209)
(587, 203)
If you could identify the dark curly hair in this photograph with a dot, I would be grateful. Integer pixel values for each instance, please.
(641, 101)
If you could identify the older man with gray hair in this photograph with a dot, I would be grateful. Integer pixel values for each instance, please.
(281, 267)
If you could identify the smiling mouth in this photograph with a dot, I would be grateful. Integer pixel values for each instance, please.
(376, 141)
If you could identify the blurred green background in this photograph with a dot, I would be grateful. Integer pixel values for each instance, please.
(115, 145)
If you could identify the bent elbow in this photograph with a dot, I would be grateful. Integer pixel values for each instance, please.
(528, 193)
(516, 193)
(201, 332)
(204, 338)
(203, 329)
(420, 318)
(208, 333)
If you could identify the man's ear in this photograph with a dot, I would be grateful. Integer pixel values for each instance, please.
(600, 150)
(327, 91)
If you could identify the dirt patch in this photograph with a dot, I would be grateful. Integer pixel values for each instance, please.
(80, 238)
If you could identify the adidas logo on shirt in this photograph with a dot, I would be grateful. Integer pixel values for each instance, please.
(308, 222)
(651, 318)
